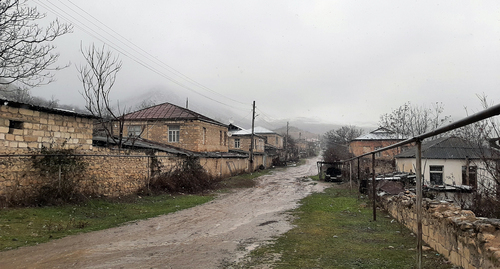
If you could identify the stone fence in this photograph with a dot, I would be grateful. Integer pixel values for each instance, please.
(463, 238)
(105, 172)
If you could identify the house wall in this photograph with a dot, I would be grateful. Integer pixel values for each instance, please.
(42, 129)
(245, 143)
(460, 236)
(191, 136)
(360, 147)
(452, 170)
(271, 140)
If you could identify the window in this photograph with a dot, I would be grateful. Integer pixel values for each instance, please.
(225, 138)
(204, 135)
(436, 174)
(472, 175)
(237, 143)
(173, 133)
(277, 144)
(134, 130)
(15, 124)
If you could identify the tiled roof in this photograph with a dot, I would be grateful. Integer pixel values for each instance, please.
(167, 111)
(447, 148)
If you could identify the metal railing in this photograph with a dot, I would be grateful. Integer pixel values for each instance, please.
(482, 115)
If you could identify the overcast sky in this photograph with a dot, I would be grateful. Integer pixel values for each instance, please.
(340, 62)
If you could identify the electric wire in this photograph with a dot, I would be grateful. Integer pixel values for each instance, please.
(87, 29)
(135, 48)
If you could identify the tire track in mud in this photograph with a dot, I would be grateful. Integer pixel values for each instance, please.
(207, 236)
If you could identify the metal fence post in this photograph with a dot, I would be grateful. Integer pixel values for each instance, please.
(419, 203)
(374, 189)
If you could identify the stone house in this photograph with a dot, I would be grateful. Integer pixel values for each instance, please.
(446, 160)
(176, 126)
(376, 139)
(24, 126)
(241, 141)
(272, 138)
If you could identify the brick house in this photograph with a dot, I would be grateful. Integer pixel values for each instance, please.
(180, 127)
(24, 126)
(376, 139)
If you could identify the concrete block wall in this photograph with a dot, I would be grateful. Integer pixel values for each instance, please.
(34, 129)
(463, 238)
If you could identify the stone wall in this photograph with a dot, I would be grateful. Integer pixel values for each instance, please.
(460, 236)
(245, 143)
(194, 135)
(107, 172)
(22, 129)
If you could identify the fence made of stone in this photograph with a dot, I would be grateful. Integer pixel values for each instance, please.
(100, 172)
(464, 239)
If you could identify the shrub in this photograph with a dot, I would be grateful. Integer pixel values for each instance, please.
(63, 170)
(188, 176)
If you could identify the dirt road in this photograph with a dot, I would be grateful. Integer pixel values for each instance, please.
(211, 235)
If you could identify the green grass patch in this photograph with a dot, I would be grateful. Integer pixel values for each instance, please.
(335, 229)
(30, 226)
(315, 178)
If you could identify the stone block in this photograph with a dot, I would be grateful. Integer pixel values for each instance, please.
(26, 112)
(18, 138)
(13, 144)
(44, 121)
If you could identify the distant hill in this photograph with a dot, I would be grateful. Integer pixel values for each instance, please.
(297, 133)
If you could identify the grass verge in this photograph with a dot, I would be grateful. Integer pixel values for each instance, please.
(35, 225)
(31, 226)
(334, 229)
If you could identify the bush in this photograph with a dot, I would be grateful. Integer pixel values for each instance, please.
(63, 170)
(187, 177)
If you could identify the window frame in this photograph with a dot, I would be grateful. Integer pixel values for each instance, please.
(174, 133)
(134, 133)
(237, 143)
(433, 173)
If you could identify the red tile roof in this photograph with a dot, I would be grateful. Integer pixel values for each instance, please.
(167, 111)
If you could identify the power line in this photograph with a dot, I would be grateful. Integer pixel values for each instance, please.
(87, 29)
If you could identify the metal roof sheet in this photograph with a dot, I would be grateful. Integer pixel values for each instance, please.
(447, 148)
(167, 111)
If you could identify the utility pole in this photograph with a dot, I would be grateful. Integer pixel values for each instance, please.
(252, 143)
(286, 144)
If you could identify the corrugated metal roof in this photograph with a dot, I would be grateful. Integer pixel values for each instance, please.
(447, 148)
(380, 134)
(167, 111)
(256, 130)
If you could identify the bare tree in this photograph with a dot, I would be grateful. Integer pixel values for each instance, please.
(26, 53)
(98, 77)
(484, 137)
(337, 142)
(409, 120)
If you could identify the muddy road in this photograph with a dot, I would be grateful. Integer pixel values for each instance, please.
(211, 235)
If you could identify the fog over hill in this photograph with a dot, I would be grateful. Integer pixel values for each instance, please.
(242, 117)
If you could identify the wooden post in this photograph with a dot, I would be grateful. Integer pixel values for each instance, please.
(419, 203)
